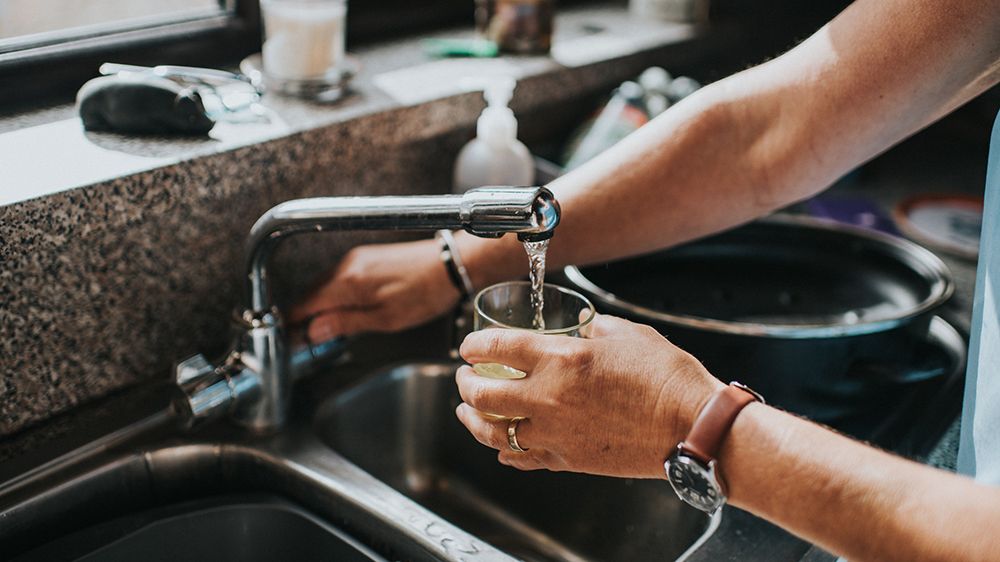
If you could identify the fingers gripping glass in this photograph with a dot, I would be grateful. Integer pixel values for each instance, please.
(508, 305)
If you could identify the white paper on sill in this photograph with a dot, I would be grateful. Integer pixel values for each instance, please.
(439, 79)
(604, 46)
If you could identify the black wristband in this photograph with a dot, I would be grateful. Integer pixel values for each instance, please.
(453, 264)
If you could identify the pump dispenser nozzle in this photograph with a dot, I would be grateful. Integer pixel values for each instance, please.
(498, 91)
(497, 124)
(495, 156)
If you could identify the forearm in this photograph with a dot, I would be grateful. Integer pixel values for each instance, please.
(660, 186)
(852, 499)
(769, 136)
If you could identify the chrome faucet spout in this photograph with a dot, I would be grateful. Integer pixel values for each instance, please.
(254, 385)
(531, 212)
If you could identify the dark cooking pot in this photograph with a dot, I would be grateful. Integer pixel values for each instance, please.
(810, 313)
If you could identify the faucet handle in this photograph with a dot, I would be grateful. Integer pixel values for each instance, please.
(189, 371)
(204, 391)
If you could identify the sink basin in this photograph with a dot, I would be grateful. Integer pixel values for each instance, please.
(224, 496)
(237, 529)
(400, 427)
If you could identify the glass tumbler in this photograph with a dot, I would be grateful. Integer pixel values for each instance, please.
(508, 306)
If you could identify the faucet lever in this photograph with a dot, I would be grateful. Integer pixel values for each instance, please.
(205, 392)
(190, 370)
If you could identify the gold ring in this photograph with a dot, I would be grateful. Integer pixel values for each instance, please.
(512, 435)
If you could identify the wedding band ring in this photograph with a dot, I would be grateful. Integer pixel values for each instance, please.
(512, 435)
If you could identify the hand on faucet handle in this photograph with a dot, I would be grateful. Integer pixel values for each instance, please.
(378, 288)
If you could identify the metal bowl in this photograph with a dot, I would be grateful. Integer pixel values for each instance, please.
(790, 304)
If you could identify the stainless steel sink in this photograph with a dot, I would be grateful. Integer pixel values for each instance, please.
(400, 427)
(130, 498)
(255, 528)
(373, 464)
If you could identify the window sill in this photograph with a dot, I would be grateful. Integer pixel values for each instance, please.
(400, 96)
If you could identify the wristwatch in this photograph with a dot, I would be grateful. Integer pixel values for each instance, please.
(692, 469)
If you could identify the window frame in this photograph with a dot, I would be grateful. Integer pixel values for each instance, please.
(52, 71)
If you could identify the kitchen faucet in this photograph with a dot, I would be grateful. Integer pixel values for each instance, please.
(253, 383)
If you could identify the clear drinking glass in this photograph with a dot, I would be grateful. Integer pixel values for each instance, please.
(508, 306)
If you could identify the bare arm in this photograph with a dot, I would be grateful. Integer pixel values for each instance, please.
(736, 150)
(771, 135)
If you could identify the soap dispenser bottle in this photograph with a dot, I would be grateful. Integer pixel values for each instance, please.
(495, 156)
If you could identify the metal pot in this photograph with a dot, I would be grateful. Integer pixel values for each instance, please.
(810, 313)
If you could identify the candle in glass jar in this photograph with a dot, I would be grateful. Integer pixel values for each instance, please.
(517, 26)
(303, 39)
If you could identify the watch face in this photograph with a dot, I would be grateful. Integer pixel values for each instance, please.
(694, 483)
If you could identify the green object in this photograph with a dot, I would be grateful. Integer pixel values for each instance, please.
(479, 48)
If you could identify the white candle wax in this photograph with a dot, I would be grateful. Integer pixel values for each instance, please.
(303, 39)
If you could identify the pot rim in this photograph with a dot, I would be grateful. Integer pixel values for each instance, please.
(928, 265)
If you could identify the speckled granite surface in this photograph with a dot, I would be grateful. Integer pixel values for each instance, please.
(945, 454)
(105, 285)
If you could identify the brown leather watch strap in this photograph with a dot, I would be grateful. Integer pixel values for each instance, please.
(714, 421)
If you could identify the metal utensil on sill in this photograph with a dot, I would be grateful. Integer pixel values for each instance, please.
(228, 96)
(193, 73)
